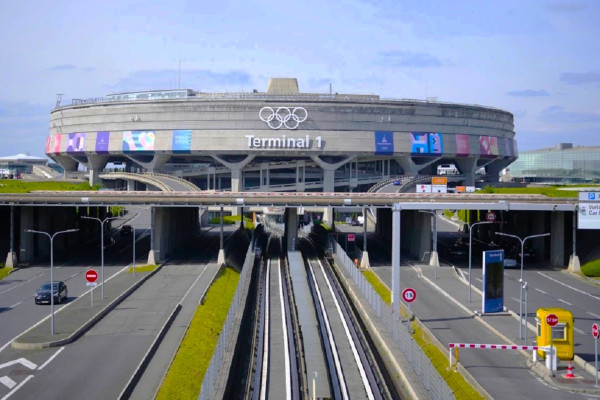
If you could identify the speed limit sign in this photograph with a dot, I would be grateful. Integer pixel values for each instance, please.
(409, 295)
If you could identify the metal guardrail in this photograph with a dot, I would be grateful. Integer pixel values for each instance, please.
(214, 374)
(303, 97)
(184, 182)
(435, 385)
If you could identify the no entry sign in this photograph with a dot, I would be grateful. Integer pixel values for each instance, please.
(409, 295)
(91, 275)
(552, 319)
(595, 330)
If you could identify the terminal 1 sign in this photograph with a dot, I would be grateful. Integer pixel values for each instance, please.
(588, 216)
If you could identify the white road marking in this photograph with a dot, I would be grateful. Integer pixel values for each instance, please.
(478, 279)
(593, 315)
(579, 331)
(16, 304)
(59, 310)
(564, 301)
(515, 299)
(51, 358)
(9, 383)
(541, 291)
(23, 361)
(570, 287)
(17, 387)
(75, 274)
(20, 284)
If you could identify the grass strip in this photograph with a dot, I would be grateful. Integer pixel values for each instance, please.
(4, 272)
(184, 378)
(457, 383)
(591, 269)
(142, 268)
(19, 186)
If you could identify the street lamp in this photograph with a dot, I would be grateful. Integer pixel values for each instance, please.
(473, 225)
(436, 262)
(524, 287)
(522, 241)
(51, 269)
(102, 221)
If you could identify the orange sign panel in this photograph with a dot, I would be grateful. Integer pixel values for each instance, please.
(438, 180)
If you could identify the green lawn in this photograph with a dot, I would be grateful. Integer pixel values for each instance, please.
(232, 219)
(4, 272)
(591, 269)
(142, 268)
(550, 191)
(19, 186)
(184, 378)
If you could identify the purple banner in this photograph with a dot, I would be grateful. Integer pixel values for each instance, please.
(75, 142)
(102, 139)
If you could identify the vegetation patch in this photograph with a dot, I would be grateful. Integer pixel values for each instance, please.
(232, 219)
(4, 272)
(19, 186)
(550, 191)
(591, 269)
(457, 383)
(184, 378)
(142, 268)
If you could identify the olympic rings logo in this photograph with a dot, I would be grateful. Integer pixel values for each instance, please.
(283, 116)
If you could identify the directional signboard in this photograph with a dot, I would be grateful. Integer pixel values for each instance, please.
(588, 216)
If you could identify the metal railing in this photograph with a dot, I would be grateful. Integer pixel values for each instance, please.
(300, 97)
(420, 363)
(215, 379)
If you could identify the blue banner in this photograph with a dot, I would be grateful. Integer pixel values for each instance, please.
(182, 141)
(384, 143)
(436, 143)
(493, 281)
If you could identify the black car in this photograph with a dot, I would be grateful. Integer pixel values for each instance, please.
(42, 294)
(126, 230)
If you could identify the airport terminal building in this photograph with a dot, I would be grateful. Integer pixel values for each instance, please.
(280, 139)
(558, 165)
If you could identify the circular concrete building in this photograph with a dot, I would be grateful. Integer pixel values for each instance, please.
(280, 139)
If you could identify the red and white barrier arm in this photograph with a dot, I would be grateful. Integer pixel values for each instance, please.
(486, 346)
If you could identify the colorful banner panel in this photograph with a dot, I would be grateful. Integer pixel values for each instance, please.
(427, 143)
(420, 144)
(138, 141)
(75, 142)
(102, 138)
(384, 143)
(53, 144)
(462, 145)
(182, 141)
(436, 144)
(488, 146)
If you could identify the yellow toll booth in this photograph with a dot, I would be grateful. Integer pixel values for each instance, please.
(562, 332)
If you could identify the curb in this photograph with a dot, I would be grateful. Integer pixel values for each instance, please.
(88, 325)
(135, 378)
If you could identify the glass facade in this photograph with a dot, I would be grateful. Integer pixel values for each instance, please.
(557, 165)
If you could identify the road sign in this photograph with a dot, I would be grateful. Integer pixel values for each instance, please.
(490, 216)
(438, 180)
(91, 275)
(552, 319)
(351, 237)
(409, 295)
(595, 330)
(93, 284)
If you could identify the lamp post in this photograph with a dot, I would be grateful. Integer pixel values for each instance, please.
(524, 287)
(434, 214)
(51, 269)
(522, 241)
(102, 221)
(473, 225)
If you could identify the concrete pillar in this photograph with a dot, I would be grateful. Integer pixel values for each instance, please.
(396, 244)
(11, 257)
(467, 167)
(26, 240)
(300, 176)
(130, 185)
(291, 228)
(557, 242)
(95, 164)
(153, 165)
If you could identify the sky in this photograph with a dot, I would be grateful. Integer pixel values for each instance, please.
(539, 60)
